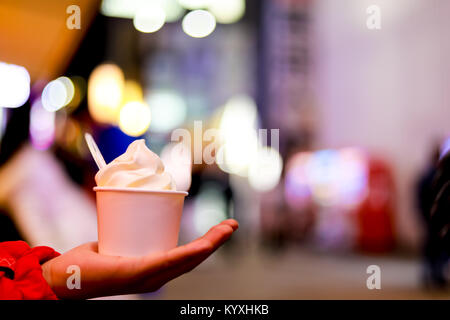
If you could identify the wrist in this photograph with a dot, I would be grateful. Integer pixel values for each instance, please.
(47, 274)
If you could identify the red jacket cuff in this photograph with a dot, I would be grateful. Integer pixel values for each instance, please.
(21, 273)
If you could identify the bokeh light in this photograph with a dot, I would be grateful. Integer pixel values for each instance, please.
(174, 11)
(238, 135)
(129, 8)
(132, 91)
(297, 190)
(265, 170)
(168, 109)
(70, 88)
(120, 8)
(445, 148)
(42, 126)
(14, 85)
(178, 162)
(229, 11)
(105, 89)
(3, 119)
(134, 118)
(194, 4)
(238, 152)
(199, 23)
(322, 174)
(150, 17)
(57, 94)
(79, 85)
(329, 177)
(352, 176)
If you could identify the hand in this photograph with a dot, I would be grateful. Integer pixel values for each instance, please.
(107, 275)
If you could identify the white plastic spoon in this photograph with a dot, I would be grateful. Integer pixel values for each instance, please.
(95, 152)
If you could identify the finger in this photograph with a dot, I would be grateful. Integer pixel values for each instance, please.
(204, 245)
(232, 223)
(229, 222)
(217, 236)
(207, 243)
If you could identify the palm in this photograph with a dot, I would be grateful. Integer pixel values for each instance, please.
(106, 275)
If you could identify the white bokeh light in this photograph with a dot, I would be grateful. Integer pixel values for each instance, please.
(150, 17)
(14, 85)
(57, 94)
(178, 162)
(238, 135)
(128, 8)
(120, 8)
(194, 4)
(174, 11)
(229, 11)
(265, 170)
(199, 23)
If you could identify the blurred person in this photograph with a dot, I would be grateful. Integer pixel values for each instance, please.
(438, 244)
(41, 272)
(433, 273)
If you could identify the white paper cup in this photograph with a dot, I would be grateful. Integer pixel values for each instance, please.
(134, 222)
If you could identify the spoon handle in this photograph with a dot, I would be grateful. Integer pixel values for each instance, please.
(95, 152)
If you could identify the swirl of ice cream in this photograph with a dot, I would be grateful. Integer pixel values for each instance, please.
(138, 167)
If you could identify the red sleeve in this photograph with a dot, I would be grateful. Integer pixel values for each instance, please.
(21, 273)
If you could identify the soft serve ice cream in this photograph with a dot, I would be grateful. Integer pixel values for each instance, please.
(138, 209)
(138, 167)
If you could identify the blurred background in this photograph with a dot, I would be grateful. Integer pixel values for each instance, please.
(329, 133)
